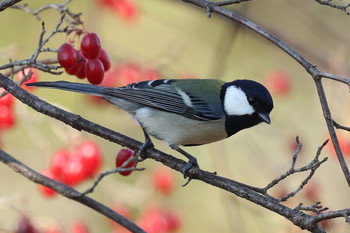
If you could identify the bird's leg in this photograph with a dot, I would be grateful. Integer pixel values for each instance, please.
(147, 144)
(192, 161)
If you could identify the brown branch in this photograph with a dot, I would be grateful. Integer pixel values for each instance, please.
(7, 3)
(67, 191)
(339, 7)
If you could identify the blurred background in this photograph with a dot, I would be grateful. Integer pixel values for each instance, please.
(147, 39)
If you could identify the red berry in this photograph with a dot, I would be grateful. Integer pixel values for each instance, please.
(122, 156)
(59, 161)
(344, 143)
(278, 82)
(33, 78)
(127, 73)
(94, 71)
(75, 68)
(79, 227)
(6, 100)
(91, 157)
(7, 119)
(90, 45)
(67, 55)
(74, 172)
(47, 192)
(24, 225)
(126, 9)
(103, 57)
(163, 180)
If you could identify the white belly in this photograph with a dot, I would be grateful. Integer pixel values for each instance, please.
(178, 130)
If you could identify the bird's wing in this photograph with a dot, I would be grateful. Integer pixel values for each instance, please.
(162, 94)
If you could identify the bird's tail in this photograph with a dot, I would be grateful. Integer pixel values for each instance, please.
(69, 86)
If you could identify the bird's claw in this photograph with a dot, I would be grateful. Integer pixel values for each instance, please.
(191, 162)
(140, 153)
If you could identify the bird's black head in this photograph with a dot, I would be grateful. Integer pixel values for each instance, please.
(246, 103)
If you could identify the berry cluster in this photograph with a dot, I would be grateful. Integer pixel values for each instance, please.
(90, 62)
(73, 167)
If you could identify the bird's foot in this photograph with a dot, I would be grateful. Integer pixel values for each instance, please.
(140, 153)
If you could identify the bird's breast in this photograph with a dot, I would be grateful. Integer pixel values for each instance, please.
(178, 130)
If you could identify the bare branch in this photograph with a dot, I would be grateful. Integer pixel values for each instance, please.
(312, 167)
(316, 208)
(339, 126)
(339, 7)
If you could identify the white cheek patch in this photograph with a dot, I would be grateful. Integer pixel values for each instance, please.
(236, 102)
(185, 97)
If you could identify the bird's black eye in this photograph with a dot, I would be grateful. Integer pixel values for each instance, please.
(251, 100)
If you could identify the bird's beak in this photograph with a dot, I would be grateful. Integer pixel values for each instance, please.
(265, 117)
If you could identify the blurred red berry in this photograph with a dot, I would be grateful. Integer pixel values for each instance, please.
(90, 45)
(47, 192)
(126, 9)
(163, 180)
(312, 192)
(24, 225)
(6, 100)
(94, 71)
(103, 57)
(73, 172)
(67, 55)
(59, 161)
(91, 157)
(344, 143)
(149, 74)
(127, 73)
(7, 119)
(122, 156)
(79, 227)
(34, 77)
(278, 82)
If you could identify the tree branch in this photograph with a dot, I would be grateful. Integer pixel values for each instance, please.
(7, 3)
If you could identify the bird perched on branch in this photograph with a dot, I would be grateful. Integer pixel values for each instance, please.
(186, 112)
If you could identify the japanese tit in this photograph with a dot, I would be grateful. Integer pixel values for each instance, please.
(186, 112)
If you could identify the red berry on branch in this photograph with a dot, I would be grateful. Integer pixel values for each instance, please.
(122, 156)
(94, 71)
(90, 45)
(103, 57)
(67, 55)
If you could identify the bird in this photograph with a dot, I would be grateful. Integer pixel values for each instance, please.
(184, 112)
